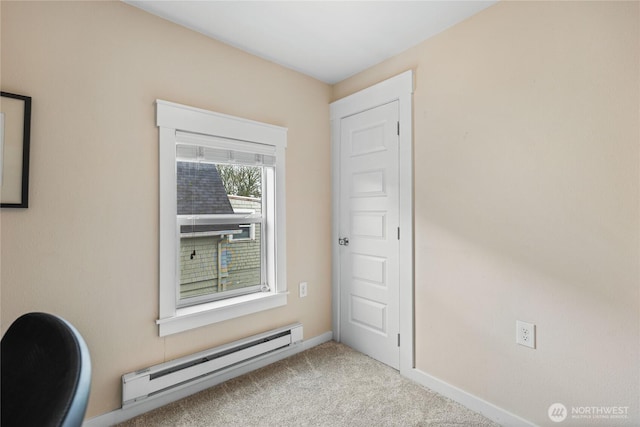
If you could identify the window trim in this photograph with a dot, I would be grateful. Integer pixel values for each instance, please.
(172, 118)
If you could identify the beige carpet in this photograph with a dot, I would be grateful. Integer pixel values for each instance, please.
(328, 385)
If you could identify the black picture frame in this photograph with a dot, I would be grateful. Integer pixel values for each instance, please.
(19, 177)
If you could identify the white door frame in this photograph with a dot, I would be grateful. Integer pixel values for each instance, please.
(398, 88)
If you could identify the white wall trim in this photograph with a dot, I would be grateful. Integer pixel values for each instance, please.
(378, 94)
(489, 410)
(123, 414)
(399, 88)
(196, 120)
(218, 311)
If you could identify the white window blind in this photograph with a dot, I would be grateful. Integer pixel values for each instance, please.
(204, 148)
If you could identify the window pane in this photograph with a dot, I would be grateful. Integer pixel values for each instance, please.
(219, 259)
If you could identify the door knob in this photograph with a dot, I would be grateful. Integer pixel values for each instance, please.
(343, 241)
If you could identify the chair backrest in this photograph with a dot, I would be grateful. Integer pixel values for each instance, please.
(46, 373)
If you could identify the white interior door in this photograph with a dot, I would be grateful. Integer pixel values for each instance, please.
(369, 219)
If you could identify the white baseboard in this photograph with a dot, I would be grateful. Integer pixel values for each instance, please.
(133, 410)
(476, 404)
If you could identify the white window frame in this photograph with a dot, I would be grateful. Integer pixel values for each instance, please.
(172, 118)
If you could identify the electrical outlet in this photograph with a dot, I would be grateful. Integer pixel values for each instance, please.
(525, 334)
(303, 289)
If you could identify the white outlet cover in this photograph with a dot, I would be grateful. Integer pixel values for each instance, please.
(303, 289)
(525, 334)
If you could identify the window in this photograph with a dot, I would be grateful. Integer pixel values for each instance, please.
(214, 188)
(222, 240)
(247, 232)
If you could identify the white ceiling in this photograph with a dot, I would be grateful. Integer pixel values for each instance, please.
(327, 40)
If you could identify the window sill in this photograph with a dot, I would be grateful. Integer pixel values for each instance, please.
(217, 311)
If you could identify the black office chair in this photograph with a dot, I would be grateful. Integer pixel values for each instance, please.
(46, 373)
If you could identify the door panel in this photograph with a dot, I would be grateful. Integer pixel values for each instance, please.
(369, 209)
(368, 184)
(368, 224)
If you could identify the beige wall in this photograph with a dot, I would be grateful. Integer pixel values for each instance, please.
(87, 247)
(526, 139)
(526, 190)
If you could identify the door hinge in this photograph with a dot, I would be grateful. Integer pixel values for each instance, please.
(398, 233)
(398, 128)
(398, 340)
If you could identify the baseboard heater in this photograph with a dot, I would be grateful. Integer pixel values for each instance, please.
(182, 372)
